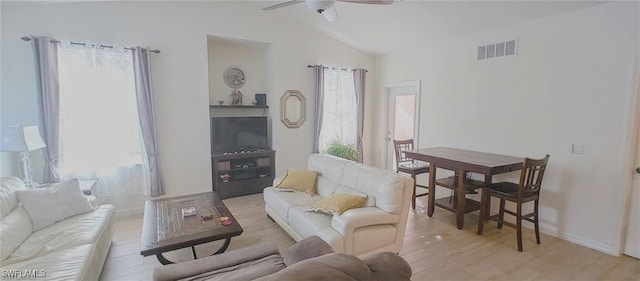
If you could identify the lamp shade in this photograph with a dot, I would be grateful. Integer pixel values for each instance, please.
(22, 138)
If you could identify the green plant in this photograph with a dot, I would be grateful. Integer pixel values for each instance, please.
(342, 150)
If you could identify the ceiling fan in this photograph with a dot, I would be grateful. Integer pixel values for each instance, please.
(327, 7)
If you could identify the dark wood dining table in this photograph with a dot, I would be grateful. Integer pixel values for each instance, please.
(461, 161)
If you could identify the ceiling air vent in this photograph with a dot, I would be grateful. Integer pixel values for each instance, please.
(496, 50)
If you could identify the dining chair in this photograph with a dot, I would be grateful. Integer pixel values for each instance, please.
(527, 190)
(410, 166)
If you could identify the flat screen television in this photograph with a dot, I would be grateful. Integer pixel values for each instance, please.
(233, 134)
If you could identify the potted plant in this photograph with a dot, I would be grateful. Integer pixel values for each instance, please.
(342, 150)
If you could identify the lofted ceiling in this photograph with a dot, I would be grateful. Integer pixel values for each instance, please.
(383, 29)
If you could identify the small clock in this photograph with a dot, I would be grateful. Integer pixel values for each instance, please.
(234, 77)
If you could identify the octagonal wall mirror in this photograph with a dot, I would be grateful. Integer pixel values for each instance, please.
(293, 109)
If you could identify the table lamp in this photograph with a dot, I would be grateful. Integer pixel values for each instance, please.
(23, 139)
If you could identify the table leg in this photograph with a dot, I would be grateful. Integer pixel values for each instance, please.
(162, 259)
(221, 250)
(488, 179)
(432, 190)
(460, 199)
(224, 246)
(193, 251)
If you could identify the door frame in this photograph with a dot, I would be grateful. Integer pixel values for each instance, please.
(632, 148)
(416, 124)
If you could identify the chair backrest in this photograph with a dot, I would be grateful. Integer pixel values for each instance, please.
(401, 146)
(531, 176)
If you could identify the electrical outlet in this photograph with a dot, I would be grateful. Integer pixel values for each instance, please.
(577, 148)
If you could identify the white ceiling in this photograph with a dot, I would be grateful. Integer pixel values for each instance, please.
(383, 29)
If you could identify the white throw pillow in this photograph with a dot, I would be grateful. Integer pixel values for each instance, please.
(49, 205)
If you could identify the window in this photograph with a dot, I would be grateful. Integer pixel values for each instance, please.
(99, 127)
(340, 115)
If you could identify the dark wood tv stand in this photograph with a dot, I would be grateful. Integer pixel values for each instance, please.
(248, 172)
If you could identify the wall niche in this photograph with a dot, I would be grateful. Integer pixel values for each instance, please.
(250, 57)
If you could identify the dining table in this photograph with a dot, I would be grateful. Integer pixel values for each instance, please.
(461, 161)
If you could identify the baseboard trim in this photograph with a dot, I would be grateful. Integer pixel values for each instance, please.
(579, 240)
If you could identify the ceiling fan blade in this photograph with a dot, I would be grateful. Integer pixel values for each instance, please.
(331, 14)
(376, 2)
(281, 5)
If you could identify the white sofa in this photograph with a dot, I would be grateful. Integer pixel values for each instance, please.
(72, 249)
(379, 226)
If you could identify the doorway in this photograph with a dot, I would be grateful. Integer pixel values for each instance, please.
(403, 116)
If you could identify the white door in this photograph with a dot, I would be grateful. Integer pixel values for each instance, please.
(403, 116)
(632, 241)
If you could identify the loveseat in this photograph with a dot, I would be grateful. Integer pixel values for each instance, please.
(309, 259)
(74, 248)
(378, 226)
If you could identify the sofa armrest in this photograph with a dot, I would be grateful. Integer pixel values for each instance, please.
(350, 220)
(229, 259)
(346, 223)
(93, 200)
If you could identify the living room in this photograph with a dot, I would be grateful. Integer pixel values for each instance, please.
(572, 82)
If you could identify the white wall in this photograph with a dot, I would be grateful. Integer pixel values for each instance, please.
(180, 72)
(570, 83)
(248, 56)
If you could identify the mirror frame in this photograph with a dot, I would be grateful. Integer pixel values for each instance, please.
(292, 94)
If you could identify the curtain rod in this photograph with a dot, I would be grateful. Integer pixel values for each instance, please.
(25, 38)
(310, 66)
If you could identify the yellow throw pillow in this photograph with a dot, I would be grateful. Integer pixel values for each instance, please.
(299, 180)
(338, 203)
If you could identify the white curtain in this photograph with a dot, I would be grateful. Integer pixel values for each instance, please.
(359, 77)
(46, 56)
(147, 116)
(340, 108)
(318, 109)
(99, 129)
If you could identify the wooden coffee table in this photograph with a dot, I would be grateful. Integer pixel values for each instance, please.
(165, 229)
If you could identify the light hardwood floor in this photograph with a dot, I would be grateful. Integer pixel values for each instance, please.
(434, 247)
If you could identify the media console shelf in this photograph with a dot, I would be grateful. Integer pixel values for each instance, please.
(238, 174)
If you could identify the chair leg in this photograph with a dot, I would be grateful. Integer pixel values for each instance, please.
(483, 211)
(519, 226)
(535, 215)
(501, 213)
(413, 198)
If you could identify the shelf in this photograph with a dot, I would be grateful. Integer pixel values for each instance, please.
(243, 181)
(469, 205)
(243, 169)
(469, 184)
(238, 106)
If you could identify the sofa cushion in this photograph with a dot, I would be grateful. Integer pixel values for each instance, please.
(14, 229)
(299, 180)
(74, 263)
(8, 198)
(306, 248)
(243, 264)
(49, 205)
(309, 223)
(338, 203)
(336, 266)
(281, 202)
(385, 186)
(326, 186)
(371, 201)
(89, 228)
(329, 166)
(388, 266)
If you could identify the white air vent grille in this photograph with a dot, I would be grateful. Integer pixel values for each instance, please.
(496, 50)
